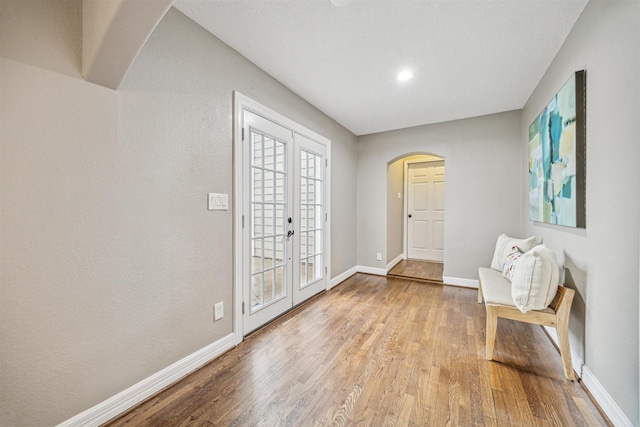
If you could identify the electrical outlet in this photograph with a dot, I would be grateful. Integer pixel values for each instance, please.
(218, 311)
(379, 256)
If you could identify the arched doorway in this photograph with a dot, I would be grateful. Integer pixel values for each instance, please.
(415, 216)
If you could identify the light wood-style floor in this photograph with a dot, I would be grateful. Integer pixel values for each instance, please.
(378, 351)
(427, 271)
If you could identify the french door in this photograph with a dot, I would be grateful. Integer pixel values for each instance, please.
(283, 238)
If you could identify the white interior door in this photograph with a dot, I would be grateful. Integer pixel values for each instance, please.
(284, 220)
(425, 211)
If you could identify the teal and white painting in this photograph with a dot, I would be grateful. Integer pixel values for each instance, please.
(557, 158)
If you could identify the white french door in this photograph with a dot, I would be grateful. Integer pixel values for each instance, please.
(309, 270)
(425, 211)
(283, 234)
(267, 260)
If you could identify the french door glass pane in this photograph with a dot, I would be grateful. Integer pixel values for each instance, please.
(280, 156)
(256, 184)
(317, 267)
(256, 290)
(311, 218)
(269, 153)
(268, 253)
(269, 182)
(279, 284)
(303, 218)
(268, 220)
(280, 187)
(303, 272)
(280, 220)
(280, 250)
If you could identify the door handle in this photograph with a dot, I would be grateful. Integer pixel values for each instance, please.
(409, 215)
(290, 233)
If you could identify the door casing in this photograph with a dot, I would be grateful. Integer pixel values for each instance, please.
(242, 102)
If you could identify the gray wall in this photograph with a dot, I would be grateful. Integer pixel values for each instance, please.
(602, 260)
(110, 261)
(395, 209)
(483, 168)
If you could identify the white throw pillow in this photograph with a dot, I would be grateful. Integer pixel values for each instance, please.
(535, 280)
(505, 245)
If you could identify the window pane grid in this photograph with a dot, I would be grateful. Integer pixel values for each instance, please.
(311, 218)
(268, 211)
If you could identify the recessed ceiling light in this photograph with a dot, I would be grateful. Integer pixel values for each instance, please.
(405, 75)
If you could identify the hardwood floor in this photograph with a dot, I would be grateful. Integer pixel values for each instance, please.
(378, 351)
(420, 270)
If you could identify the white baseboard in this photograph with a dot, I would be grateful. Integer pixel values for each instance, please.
(457, 281)
(372, 270)
(343, 276)
(608, 405)
(576, 360)
(137, 393)
(127, 399)
(395, 262)
(604, 400)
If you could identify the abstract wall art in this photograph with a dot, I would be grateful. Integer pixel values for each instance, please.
(557, 158)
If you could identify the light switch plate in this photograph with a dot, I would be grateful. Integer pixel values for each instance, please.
(218, 202)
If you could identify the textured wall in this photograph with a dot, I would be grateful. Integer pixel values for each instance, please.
(395, 209)
(110, 261)
(602, 259)
(482, 158)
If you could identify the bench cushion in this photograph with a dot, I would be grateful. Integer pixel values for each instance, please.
(495, 288)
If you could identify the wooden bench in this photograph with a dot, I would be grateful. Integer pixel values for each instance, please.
(498, 303)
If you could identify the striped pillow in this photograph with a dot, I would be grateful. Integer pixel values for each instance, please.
(510, 263)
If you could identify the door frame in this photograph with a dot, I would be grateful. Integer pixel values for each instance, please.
(405, 208)
(242, 102)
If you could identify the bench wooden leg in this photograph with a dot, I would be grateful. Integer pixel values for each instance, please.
(492, 324)
(479, 292)
(562, 327)
(565, 352)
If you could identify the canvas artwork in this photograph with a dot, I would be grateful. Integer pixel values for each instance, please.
(557, 158)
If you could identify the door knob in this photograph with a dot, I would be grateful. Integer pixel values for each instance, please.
(409, 215)
(290, 233)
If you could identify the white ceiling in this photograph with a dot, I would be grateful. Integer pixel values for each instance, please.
(470, 58)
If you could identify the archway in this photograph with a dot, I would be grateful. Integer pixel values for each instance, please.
(415, 216)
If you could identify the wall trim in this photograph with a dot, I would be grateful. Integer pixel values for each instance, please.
(342, 277)
(372, 270)
(395, 262)
(137, 393)
(457, 281)
(127, 399)
(607, 404)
